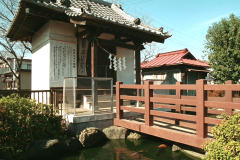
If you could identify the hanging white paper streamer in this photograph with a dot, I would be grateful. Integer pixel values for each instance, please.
(115, 63)
(120, 63)
(124, 63)
(110, 59)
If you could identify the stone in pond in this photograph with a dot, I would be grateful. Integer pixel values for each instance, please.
(176, 148)
(92, 137)
(134, 135)
(114, 132)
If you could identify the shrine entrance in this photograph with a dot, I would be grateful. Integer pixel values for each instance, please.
(102, 61)
(104, 66)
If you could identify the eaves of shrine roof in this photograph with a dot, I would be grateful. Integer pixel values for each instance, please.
(64, 10)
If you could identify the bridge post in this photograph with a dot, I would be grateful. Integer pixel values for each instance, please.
(119, 101)
(228, 98)
(148, 104)
(201, 128)
(178, 96)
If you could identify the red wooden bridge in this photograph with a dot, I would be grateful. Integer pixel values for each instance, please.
(189, 119)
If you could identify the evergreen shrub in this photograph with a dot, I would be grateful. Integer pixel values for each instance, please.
(226, 142)
(23, 121)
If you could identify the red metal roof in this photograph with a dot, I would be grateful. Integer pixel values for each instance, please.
(174, 58)
(195, 62)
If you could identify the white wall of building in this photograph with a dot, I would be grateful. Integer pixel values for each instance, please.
(40, 68)
(54, 55)
(41, 59)
(54, 49)
(127, 76)
(161, 77)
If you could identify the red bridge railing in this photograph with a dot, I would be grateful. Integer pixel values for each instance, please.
(197, 113)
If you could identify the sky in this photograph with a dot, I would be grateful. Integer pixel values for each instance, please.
(186, 20)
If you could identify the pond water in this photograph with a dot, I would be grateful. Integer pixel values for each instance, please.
(144, 149)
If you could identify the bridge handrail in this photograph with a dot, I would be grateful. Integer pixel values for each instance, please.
(203, 104)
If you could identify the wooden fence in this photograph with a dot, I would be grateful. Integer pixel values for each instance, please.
(199, 113)
(52, 97)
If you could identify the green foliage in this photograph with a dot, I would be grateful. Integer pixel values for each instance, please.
(226, 143)
(223, 49)
(23, 121)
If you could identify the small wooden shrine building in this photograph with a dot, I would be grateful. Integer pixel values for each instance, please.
(175, 66)
(81, 38)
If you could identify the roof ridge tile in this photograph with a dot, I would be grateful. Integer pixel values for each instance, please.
(181, 51)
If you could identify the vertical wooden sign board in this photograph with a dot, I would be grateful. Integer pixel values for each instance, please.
(63, 62)
(83, 48)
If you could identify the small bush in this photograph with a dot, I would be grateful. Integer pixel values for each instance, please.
(226, 142)
(23, 121)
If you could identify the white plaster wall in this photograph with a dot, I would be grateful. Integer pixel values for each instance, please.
(40, 68)
(177, 76)
(41, 38)
(61, 31)
(41, 59)
(126, 76)
(52, 34)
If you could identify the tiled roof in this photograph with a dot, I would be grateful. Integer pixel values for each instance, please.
(97, 9)
(174, 58)
(108, 12)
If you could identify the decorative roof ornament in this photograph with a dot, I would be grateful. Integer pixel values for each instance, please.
(137, 21)
(119, 6)
(88, 8)
(160, 29)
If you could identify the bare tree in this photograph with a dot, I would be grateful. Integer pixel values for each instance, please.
(8, 49)
(151, 49)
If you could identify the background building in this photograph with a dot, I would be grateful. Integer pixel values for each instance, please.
(8, 80)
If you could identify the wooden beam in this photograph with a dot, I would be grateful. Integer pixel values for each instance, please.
(80, 23)
(117, 43)
(114, 28)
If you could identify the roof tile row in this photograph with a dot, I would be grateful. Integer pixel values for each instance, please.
(174, 58)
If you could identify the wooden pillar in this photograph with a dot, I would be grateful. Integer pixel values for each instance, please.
(93, 59)
(228, 98)
(94, 74)
(138, 66)
(138, 70)
(148, 103)
(201, 128)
